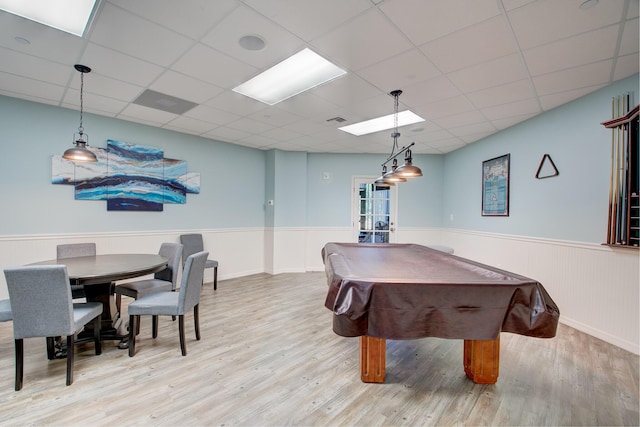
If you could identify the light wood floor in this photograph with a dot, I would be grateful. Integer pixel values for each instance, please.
(268, 356)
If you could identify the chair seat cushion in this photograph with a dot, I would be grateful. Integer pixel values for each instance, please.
(157, 303)
(211, 264)
(84, 312)
(5, 310)
(143, 287)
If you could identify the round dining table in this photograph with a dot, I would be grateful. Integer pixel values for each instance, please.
(98, 273)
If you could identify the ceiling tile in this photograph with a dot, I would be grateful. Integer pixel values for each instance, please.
(211, 115)
(545, 21)
(146, 115)
(489, 74)
(44, 42)
(119, 66)
(214, 67)
(429, 91)
(429, 20)
(573, 51)
(120, 30)
(485, 128)
(355, 46)
(190, 125)
(519, 108)
(630, 37)
(24, 65)
(34, 90)
(444, 108)
(400, 71)
(458, 120)
(250, 125)
(309, 20)
(223, 133)
(556, 99)
(279, 43)
(185, 87)
(573, 78)
(93, 103)
(346, 90)
(193, 18)
(509, 92)
(469, 45)
(626, 66)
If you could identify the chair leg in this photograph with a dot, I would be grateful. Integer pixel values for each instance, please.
(154, 326)
(196, 320)
(118, 301)
(133, 320)
(19, 363)
(215, 278)
(51, 348)
(96, 335)
(183, 345)
(70, 354)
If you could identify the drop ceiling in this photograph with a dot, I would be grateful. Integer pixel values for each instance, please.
(470, 68)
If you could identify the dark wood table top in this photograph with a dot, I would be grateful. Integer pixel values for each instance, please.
(87, 270)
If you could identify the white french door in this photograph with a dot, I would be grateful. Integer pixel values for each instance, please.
(374, 212)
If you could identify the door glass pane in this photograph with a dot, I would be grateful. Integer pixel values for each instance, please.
(374, 214)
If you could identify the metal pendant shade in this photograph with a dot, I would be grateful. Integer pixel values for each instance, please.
(408, 170)
(79, 152)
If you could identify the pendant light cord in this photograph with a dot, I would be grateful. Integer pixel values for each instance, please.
(81, 129)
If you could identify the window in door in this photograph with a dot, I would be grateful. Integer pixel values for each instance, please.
(374, 222)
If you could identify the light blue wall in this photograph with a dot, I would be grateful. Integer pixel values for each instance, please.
(572, 206)
(30, 133)
(329, 200)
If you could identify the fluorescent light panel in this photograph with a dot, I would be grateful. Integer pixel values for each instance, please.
(406, 117)
(296, 74)
(70, 16)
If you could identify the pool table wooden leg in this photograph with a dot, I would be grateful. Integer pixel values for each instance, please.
(373, 358)
(482, 360)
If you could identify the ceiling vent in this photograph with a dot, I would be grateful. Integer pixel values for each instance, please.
(164, 102)
(337, 119)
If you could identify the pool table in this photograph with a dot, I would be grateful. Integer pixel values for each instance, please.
(408, 291)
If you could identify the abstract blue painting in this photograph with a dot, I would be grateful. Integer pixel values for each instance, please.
(129, 177)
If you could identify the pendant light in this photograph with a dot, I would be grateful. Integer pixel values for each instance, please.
(80, 152)
(407, 170)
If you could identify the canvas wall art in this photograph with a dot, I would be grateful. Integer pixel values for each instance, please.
(129, 177)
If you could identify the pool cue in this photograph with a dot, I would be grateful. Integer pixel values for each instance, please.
(613, 138)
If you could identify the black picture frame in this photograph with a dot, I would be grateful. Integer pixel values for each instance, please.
(495, 186)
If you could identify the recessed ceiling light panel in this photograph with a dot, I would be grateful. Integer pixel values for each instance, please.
(71, 16)
(406, 117)
(296, 74)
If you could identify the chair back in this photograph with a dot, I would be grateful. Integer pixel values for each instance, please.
(173, 252)
(74, 250)
(5, 310)
(41, 301)
(192, 243)
(191, 284)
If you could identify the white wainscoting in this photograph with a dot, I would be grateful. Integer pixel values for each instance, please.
(240, 252)
(596, 287)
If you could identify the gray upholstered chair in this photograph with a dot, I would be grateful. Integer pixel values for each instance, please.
(192, 244)
(5, 310)
(165, 280)
(41, 306)
(74, 250)
(171, 303)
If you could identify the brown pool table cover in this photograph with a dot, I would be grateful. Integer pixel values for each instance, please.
(408, 291)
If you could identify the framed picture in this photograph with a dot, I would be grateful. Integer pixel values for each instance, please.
(495, 186)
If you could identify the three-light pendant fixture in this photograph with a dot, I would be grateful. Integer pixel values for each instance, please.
(408, 169)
